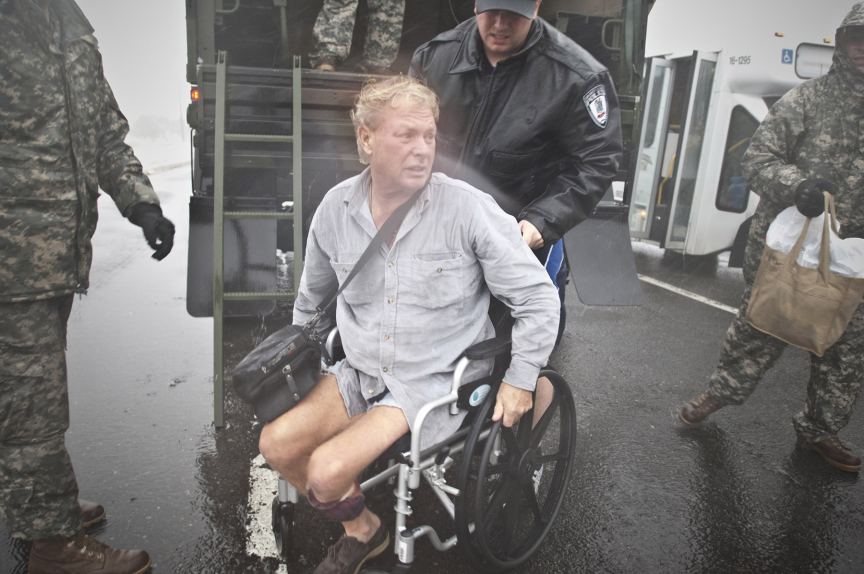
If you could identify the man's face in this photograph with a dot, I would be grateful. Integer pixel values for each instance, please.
(503, 33)
(854, 42)
(402, 149)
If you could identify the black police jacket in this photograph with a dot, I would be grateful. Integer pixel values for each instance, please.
(541, 131)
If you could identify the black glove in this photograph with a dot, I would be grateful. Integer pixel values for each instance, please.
(156, 228)
(809, 198)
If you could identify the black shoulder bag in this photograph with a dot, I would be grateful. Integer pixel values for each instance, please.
(287, 365)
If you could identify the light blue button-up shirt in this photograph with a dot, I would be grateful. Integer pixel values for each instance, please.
(409, 314)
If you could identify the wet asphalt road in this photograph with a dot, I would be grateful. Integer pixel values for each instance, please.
(647, 495)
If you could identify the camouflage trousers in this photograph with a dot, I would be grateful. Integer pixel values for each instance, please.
(334, 28)
(835, 378)
(38, 490)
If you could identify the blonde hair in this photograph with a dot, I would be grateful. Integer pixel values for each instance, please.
(375, 97)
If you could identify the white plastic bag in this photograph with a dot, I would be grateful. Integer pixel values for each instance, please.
(847, 255)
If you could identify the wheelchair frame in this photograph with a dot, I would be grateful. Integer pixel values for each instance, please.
(430, 464)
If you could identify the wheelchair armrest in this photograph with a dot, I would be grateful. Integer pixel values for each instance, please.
(489, 348)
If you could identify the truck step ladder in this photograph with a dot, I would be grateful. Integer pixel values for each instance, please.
(220, 215)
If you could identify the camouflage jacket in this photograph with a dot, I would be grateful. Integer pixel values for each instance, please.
(815, 131)
(61, 139)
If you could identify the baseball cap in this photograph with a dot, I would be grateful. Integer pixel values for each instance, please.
(524, 8)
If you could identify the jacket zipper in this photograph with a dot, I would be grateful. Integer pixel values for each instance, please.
(469, 140)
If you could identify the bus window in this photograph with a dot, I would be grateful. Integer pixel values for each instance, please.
(732, 192)
(812, 60)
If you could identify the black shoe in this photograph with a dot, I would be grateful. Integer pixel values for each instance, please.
(348, 555)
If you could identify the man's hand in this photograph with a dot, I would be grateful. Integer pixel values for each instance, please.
(809, 198)
(531, 236)
(158, 231)
(511, 403)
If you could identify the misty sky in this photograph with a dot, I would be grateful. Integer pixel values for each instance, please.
(143, 42)
(143, 45)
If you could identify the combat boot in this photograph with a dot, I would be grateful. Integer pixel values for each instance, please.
(326, 64)
(697, 410)
(835, 453)
(91, 513)
(80, 553)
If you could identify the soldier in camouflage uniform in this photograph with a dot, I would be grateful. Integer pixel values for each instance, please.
(334, 28)
(61, 138)
(812, 140)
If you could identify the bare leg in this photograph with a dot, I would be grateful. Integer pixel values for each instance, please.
(334, 466)
(288, 442)
(542, 398)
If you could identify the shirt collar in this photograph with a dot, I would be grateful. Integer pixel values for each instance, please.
(357, 203)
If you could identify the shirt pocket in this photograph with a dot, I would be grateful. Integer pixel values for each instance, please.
(437, 280)
(357, 292)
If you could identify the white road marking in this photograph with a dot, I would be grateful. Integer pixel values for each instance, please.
(263, 484)
(688, 294)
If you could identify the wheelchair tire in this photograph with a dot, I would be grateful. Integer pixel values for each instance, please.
(512, 505)
(282, 523)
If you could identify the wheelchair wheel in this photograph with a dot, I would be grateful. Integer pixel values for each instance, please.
(512, 484)
(282, 523)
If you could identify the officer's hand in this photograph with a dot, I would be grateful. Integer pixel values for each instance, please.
(158, 231)
(511, 403)
(530, 234)
(809, 199)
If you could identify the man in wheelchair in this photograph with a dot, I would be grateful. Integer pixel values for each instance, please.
(407, 316)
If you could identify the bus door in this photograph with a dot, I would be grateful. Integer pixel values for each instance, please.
(673, 130)
(649, 156)
(693, 114)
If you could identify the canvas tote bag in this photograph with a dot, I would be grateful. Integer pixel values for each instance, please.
(808, 308)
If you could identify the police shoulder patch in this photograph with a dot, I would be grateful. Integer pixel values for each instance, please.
(595, 102)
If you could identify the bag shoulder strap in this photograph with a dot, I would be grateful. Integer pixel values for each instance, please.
(389, 228)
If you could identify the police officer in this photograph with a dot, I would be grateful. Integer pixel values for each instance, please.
(810, 141)
(528, 116)
(61, 138)
(334, 28)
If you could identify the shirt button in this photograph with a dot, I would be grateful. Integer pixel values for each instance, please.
(390, 300)
(386, 337)
(390, 264)
(384, 369)
(439, 270)
(371, 391)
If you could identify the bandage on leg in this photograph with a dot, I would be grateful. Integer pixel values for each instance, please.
(345, 510)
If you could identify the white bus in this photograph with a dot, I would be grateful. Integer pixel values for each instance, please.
(701, 107)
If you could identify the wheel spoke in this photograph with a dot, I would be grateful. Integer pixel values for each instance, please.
(498, 500)
(531, 496)
(541, 427)
(494, 469)
(511, 519)
(511, 442)
(523, 432)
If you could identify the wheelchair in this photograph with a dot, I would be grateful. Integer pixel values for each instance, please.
(509, 485)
